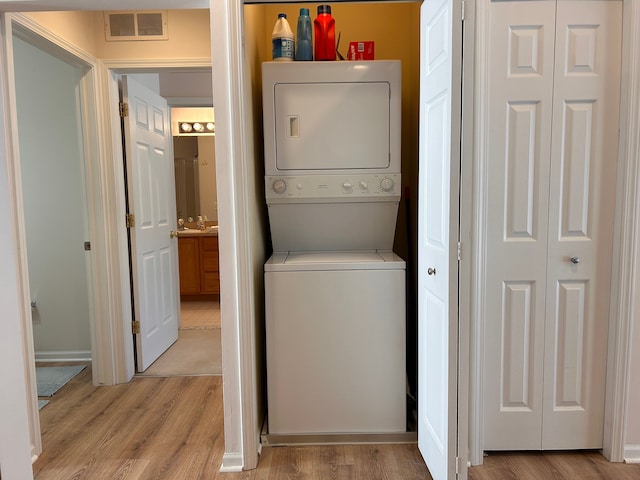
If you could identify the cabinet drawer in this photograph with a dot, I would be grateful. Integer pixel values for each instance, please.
(210, 261)
(209, 244)
(211, 283)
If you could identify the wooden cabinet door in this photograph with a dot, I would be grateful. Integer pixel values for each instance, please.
(189, 261)
(210, 275)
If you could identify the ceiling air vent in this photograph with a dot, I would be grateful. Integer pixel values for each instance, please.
(148, 25)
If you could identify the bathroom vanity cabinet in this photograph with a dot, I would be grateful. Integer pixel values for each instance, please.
(198, 261)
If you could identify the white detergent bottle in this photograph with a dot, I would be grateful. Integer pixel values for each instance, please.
(282, 40)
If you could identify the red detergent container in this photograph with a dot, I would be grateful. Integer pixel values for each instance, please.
(324, 28)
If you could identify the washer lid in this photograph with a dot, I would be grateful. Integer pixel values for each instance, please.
(347, 260)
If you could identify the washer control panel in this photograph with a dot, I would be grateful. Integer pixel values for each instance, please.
(332, 186)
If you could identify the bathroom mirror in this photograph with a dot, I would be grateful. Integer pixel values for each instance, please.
(195, 177)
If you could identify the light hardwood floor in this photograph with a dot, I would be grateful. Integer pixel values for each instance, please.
(172, 428)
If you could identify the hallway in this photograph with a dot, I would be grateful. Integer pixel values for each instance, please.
(172, 428)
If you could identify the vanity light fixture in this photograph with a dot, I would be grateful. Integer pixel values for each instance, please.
(196, 128)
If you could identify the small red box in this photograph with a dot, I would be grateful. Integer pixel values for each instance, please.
(360, 51)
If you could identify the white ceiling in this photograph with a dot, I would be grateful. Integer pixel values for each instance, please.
(49, 5)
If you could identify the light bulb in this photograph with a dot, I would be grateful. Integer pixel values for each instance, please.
(186, 127)
(198, 127)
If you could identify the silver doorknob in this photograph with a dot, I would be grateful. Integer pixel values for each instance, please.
(575, 259)
(431, 271)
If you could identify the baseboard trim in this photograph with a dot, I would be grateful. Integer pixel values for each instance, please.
(632, 454)
(231, 462)
(64, 356)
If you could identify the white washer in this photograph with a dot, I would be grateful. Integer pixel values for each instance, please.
(335, 328)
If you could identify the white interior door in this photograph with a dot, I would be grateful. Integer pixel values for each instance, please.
(520, 110)
(584, 153)
(151, 192)
(554, 98)
(440, 97)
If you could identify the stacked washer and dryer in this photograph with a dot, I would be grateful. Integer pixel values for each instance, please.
(334, 289)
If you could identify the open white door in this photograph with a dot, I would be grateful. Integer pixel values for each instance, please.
(151, 198)
(438, 225)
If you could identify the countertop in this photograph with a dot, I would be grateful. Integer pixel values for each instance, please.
(207, 232)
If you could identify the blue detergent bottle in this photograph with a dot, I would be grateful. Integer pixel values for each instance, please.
(304, 51)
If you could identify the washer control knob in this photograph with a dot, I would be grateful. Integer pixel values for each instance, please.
(347, 186)
(386, 184)
(279, 186)
(363, 185)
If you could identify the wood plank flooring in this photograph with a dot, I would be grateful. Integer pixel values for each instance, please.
(172, 428)
(588, 465)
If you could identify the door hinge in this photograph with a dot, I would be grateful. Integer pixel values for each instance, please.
(131, 220)
(135, 327)
(124, 109)
(463, 5)
(87, 246)
(459, 251)
(457, 465)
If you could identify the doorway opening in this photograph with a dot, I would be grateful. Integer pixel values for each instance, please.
(197, 348)
(55, 208)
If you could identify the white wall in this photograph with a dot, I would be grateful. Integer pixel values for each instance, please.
(149, 80)
(51, 160)
(181, 85)
(15, 460)
(15, 444)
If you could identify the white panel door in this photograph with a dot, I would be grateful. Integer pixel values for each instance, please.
(584, 152)
(520, 103)
(440, 99)
(554, 94)
(151, 195)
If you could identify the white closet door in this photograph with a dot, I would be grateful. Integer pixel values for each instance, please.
(553, 155)
(520, 115)
(440, 107)
(584, 153)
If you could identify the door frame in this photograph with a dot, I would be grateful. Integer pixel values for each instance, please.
(624, 271)
(96, 273)
(233, 137)
(110, 72)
